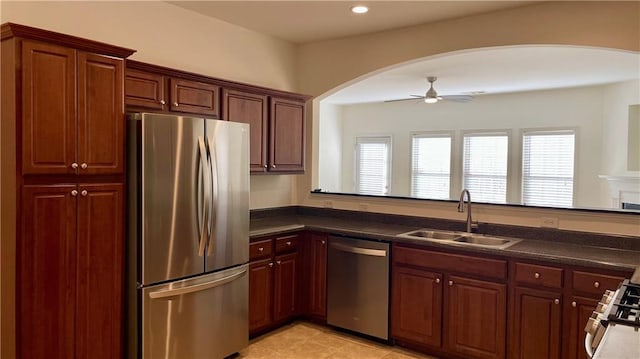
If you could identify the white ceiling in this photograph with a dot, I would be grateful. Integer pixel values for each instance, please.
(308, 21)
(494, 71)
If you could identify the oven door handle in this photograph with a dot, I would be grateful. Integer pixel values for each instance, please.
(588, 340)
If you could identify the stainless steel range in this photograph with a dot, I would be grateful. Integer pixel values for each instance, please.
(613, 331)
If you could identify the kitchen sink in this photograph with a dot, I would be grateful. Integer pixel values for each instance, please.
(463, 238)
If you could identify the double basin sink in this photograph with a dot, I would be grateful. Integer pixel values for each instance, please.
(464, 238)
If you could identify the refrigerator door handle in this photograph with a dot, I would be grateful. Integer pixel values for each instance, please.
(214, 196)
(205, 213)
(198, 287)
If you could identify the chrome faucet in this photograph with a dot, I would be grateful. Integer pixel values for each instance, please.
(470, 224)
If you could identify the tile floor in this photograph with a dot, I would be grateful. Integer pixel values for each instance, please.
(303, 340)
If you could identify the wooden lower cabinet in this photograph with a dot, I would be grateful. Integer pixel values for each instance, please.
(285, 287)
(416, 306)
(536, 324)
(316, 275)
(577, 314)
(475, 323)
(260, 294)
(71, 271)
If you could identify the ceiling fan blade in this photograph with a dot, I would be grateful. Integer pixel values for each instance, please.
(458, 98)
(407, 99)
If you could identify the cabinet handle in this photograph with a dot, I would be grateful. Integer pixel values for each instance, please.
(260, 249)
(175, 104)
(74, 165)
(84, 166)
(556, 301)
(288, 243)
(74, 193)
(278, 262)
(574, 304)
(84, 193)
(273, 166)
(450, 283)
(162, 102)
(437, 280)
(536, 275)
(596, 284)
(271, 264)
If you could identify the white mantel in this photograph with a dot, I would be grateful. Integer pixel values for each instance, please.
(623, 188)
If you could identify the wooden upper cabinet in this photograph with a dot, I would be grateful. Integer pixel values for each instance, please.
(100, 114)
(46, 255)
(49, 108)
(145, 89)
(194, 97)
(476, 318)
(100, 278)
(287, 135)
(536, 324)
(252, 109)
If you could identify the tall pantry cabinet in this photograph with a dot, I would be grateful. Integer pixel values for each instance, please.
(62, 158)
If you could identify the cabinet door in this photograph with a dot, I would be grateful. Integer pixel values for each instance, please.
(46, 255)
(252, 109)
(287, 136)
(285, 287)
(100, 114)
(416, 306)
(144, 89)
(100, 266)
(476, 318)
(194, 97)
(48, 108)
(576, 317)
(317, 280)
(536, 324)
(260, 294)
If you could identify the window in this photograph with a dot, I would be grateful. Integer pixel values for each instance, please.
(430, 166)
(372, 165)
(485, 166)
(547, 168)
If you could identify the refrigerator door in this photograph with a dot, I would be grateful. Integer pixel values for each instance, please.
(201, 317)
(228, 148)
(174, 182)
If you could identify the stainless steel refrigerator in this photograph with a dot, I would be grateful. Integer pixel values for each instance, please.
(188, 237)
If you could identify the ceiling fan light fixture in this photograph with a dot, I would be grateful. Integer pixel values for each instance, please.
(359, 9)
(430, 99)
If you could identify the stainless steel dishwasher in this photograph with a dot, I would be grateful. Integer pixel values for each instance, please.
(358, 286)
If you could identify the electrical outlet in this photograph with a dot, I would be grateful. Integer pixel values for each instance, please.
(364, 207)
(549, 222)
(328, 204)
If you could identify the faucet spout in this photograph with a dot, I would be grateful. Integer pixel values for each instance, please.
(464, 192)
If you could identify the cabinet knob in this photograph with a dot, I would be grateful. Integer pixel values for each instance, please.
(574, 304)
(74, 165)
(596, 284)
(288, 243)
(265, 166)
(175, 104)
(84, 193)
(556, 301)
(536, 275)
(450, 283)
(162, 102)
(260, 249)
(271, 264)
(84, 166)
(278, 262)
(273, 166)
(74, 193)
(324, 242)
(437, 280)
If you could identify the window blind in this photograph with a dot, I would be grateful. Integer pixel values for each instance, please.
(430, 166)
(547, 168)
(372, 165)
(485, 167)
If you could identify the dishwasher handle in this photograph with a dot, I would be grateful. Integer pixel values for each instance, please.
(359, 250)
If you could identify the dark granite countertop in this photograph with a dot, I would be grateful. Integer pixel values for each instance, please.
(615, 254)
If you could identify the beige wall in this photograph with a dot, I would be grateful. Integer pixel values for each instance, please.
(326, 66)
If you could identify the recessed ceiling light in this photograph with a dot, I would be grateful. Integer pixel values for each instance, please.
(359, 9)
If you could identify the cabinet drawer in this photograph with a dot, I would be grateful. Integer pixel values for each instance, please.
(539, 275)
(458, 263)
(262, 249)
(288, 243)
(594, 283)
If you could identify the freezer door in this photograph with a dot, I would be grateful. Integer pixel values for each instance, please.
(201, 317)
(228, 149)
(174, 182)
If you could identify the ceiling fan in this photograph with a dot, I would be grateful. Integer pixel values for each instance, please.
(431, 96)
